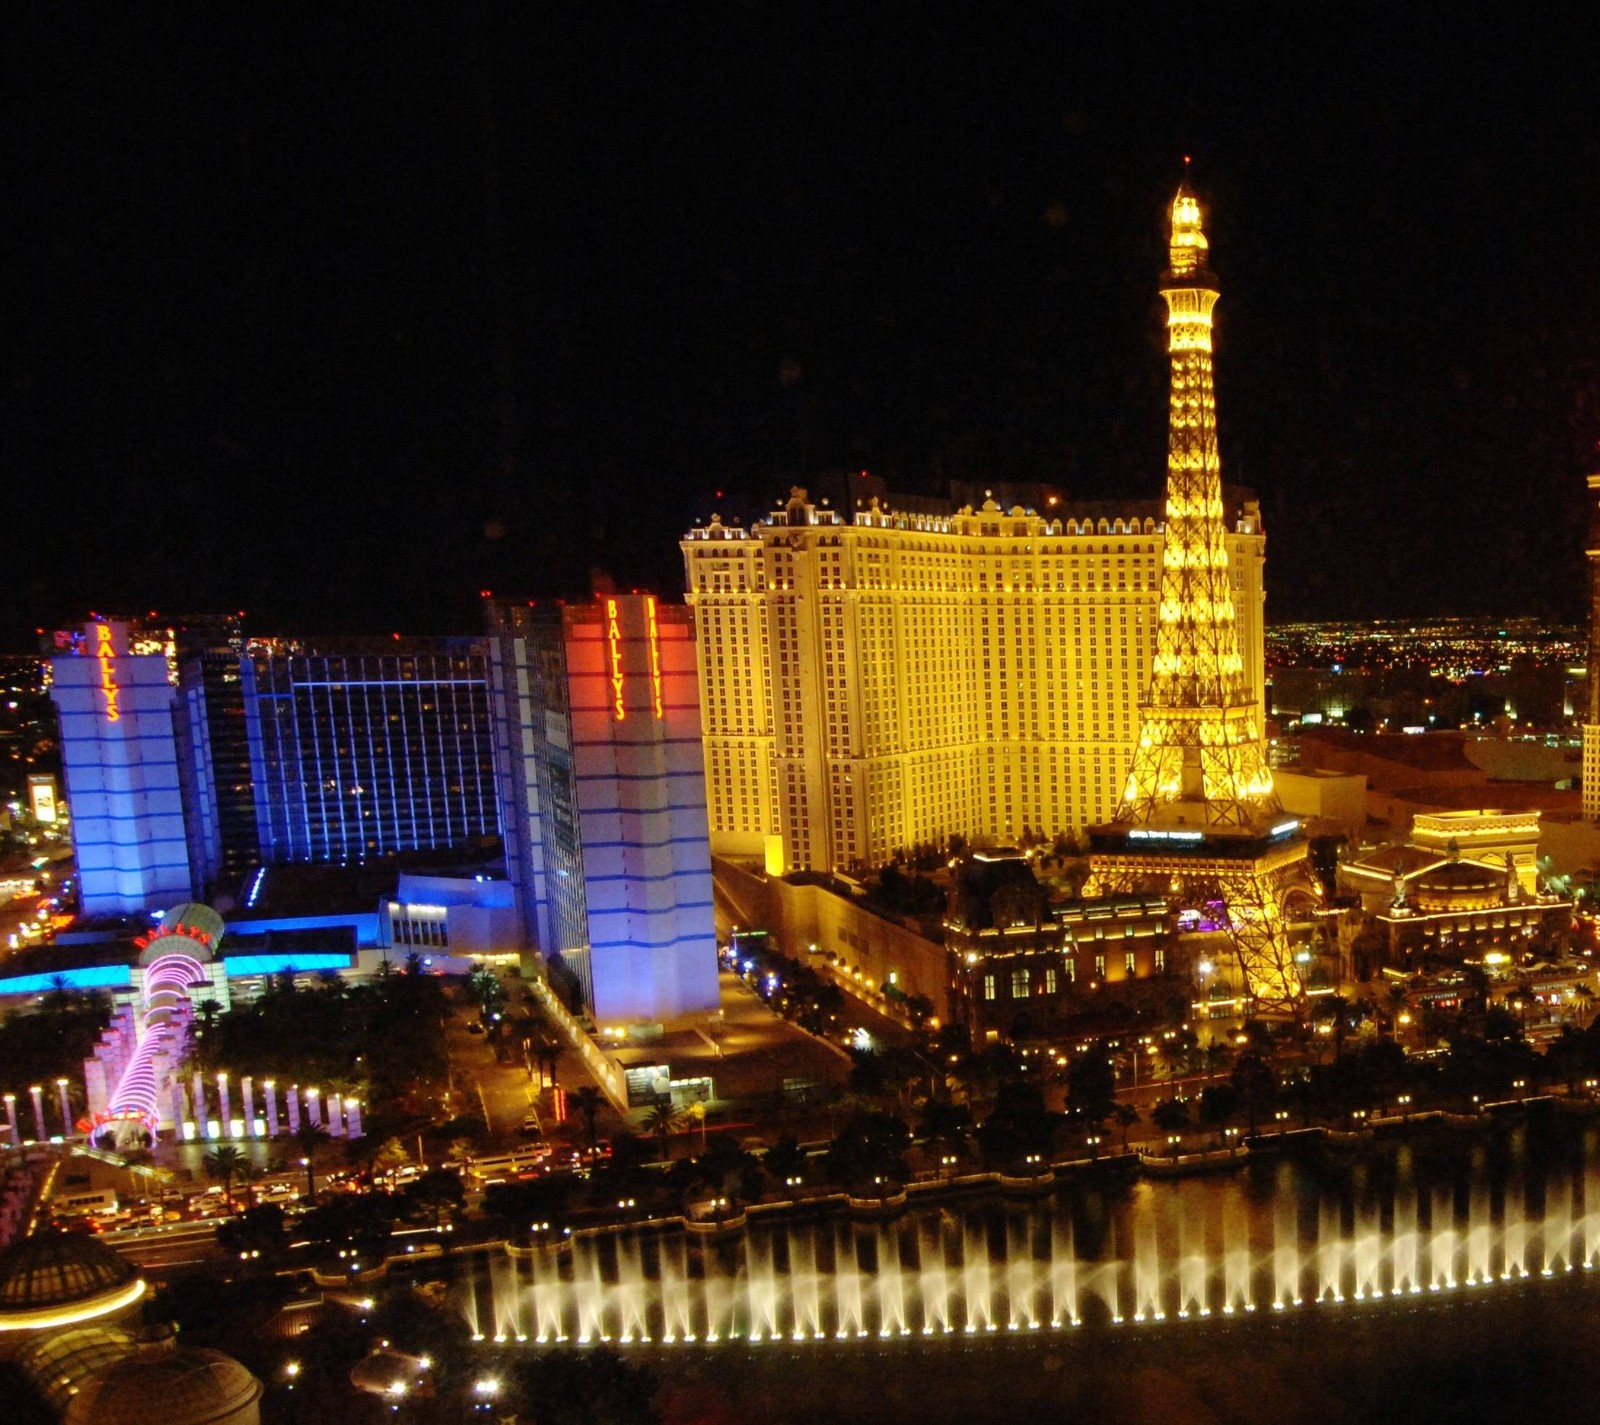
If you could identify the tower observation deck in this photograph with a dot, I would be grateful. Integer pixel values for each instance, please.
(1199, 820)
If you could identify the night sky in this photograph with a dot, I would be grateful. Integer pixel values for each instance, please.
(341, 321)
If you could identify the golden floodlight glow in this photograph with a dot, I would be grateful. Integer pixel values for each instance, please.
(46, 1318)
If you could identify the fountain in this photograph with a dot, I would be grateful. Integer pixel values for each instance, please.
(1166, 1252)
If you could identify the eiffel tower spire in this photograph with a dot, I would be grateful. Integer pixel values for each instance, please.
(1199, 759)
(1199, 822)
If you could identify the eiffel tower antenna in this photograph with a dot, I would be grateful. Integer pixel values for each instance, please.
(1199, 818)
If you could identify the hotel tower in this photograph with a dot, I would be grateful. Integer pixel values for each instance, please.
(884, 676)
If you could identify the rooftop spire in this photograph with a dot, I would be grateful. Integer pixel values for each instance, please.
(1188, 245)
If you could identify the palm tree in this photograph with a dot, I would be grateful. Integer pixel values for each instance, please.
(1585, 997)
(664, 1120)
(588, 1101)
(1126, 1115)
(225, 1163)
(485, 987)
(249, 1175)
(309, 1138)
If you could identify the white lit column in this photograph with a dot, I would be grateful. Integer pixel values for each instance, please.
(198, 1098)
(248, 1089)
(66, 1108)
(222, 1100)
(352, 1111)
(335, 1116)
(270, 1089)
(37, 1095)
(179, 1114)
(293, 1103)
(313, 1109)
(12, 1133)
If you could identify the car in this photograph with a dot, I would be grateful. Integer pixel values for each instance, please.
(530, 1127)
(473, 1027)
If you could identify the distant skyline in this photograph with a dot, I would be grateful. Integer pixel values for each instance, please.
(341, 322)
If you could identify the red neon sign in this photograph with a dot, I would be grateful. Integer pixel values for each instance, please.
(655, 657)
(614, 647)
(108, 684)
(187, 931)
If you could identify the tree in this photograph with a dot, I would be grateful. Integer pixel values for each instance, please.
(587, 1103)
(1336, 1010)
(1020, 1126)
(1256, 1085)
(435, 1192)
(663, 1121)
(224, 1164)
(1091, 1088)
(1585, 997)
(490, 995)
(784, 1159)
(310, 1138)
(256, 1229)
(1171, 1115)
(869, 1146)
(1126, 1115)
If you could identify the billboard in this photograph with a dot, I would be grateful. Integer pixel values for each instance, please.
(42, 798)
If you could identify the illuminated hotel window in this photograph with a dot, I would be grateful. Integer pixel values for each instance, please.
(1019, 984)
(988, 986)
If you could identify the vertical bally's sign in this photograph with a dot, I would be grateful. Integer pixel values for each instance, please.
(655, 657)
(105, 652)
(614, 649)
(619, 709)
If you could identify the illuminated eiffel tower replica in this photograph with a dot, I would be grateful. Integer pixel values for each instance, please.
(1199, 821)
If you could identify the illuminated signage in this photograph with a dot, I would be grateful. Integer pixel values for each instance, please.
(1147, 834)
(104, 651)
(42, 798)
(614, 648)
(655, 656)
(190, 932)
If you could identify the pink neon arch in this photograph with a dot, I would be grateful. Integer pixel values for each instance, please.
(137, 1093)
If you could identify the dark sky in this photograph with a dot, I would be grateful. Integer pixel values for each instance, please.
(339, 320)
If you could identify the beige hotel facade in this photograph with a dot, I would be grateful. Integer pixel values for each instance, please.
(891, 677)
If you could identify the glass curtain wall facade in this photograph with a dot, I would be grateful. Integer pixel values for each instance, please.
(365, 752)
(533, 715)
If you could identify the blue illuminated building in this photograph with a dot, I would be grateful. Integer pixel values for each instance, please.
(550, 771)
(120, 764)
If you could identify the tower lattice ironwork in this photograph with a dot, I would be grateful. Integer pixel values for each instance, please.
(1199, 818)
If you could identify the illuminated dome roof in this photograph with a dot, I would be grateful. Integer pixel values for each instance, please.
(54, 1278)
(188, 1386)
